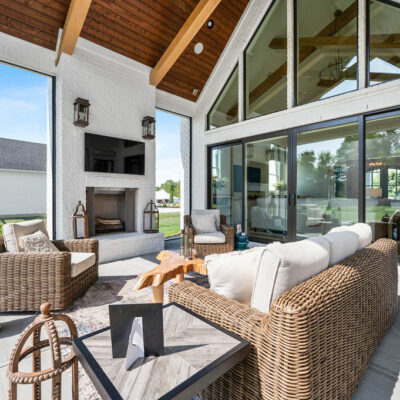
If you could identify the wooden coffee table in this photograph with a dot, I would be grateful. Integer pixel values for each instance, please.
(197, 352)
(172, 265)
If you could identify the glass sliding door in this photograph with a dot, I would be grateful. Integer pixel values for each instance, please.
(382, 177)
(327, 179)
(226, 182)
(266, 188)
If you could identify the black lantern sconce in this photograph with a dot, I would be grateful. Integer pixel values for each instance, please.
(81, 112)
(149, 128)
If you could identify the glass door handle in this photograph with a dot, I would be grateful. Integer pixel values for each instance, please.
(292, 199)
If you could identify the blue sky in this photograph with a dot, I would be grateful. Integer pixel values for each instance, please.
(168, 128)
(23, 104)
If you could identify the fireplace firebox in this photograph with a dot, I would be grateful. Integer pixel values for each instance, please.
(110, 210)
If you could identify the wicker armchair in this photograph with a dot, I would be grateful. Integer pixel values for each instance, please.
(29, 279)
(204, 249)
(318, 338)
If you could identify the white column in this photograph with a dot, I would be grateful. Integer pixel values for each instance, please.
(185, 167)
(291, 56)
(241, 78)
(362, 44)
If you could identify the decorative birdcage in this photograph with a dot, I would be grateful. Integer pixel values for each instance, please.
(80, 214)
(58, 363)
(151, 218)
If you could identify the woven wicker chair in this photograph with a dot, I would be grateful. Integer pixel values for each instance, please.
(29, 279)
(213, 248)
(318, 338)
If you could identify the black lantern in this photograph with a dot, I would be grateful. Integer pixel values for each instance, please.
(151, 218)
(81, 112)
(149, 128)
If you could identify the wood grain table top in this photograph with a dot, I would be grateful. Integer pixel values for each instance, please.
(171, 264)
(197, 353)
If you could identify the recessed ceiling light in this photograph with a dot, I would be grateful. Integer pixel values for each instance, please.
(198, 48)
(210, 24)
(195, 91)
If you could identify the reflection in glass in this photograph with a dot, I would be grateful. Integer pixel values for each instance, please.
(266, 178)
(327, 179)
(384, 42)
(225, 109)
(326, 48)
(226, 182)
(266, 67)
(382, 177)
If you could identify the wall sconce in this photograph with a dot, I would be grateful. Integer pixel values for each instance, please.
(250, 150)
(149, 128)
(81, 112)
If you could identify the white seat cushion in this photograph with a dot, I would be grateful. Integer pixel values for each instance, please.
(80, 262)
(282, 267)
(341, 245)
(232, 274)
(363, 231)
(12, 233)
(212, 237)
(216, 213)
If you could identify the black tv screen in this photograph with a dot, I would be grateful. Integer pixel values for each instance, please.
(109, 154)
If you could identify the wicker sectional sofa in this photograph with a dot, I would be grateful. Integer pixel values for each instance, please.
(29, 279)
(317, 339)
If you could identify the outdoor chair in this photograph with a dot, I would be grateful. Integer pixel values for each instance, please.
(29, 279)
(223, 241)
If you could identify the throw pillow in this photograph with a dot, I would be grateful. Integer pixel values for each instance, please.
(283, 267)
(232, 274)
(204, 224)
(37, 242)
(14, 231)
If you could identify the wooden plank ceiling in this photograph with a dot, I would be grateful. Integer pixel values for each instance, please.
(140, 30)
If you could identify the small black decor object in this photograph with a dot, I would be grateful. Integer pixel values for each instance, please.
(121, 319)
(149, 128)
(81, 112)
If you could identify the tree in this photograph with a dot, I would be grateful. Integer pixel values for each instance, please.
(172, 188)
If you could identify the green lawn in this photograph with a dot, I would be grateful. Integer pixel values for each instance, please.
(170, 224)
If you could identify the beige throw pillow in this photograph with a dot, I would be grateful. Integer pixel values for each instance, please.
(37, 242)
(204, 224)
(14, 231)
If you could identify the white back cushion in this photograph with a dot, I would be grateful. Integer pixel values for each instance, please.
(232, 274)
(342, 244)
(13, 232)
(283, 267)
(363, 231)
(209, 212)
(204, 224)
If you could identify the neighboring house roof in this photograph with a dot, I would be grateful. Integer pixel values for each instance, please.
(162, 195)
(21, 155)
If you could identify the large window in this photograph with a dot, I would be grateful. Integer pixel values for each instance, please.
(225, 109)
(266, 67)
(327, 179)
(25, 137)
(382, 165)
(267, 185)
(384, 64)
(226, 183)
(326, 48)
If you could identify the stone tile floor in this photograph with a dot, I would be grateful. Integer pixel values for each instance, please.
(381, 380)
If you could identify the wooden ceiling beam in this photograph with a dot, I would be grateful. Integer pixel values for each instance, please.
(185, 35)
(333, 42)
(76, 16)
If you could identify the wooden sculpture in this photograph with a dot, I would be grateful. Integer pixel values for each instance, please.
(58, 364)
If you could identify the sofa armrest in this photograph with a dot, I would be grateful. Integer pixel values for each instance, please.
(32, 278)
(322, 334)
(244, 381)
(229, 233)
(227, 313)
(78, 245)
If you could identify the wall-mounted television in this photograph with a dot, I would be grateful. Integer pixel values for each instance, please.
(113, 155)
